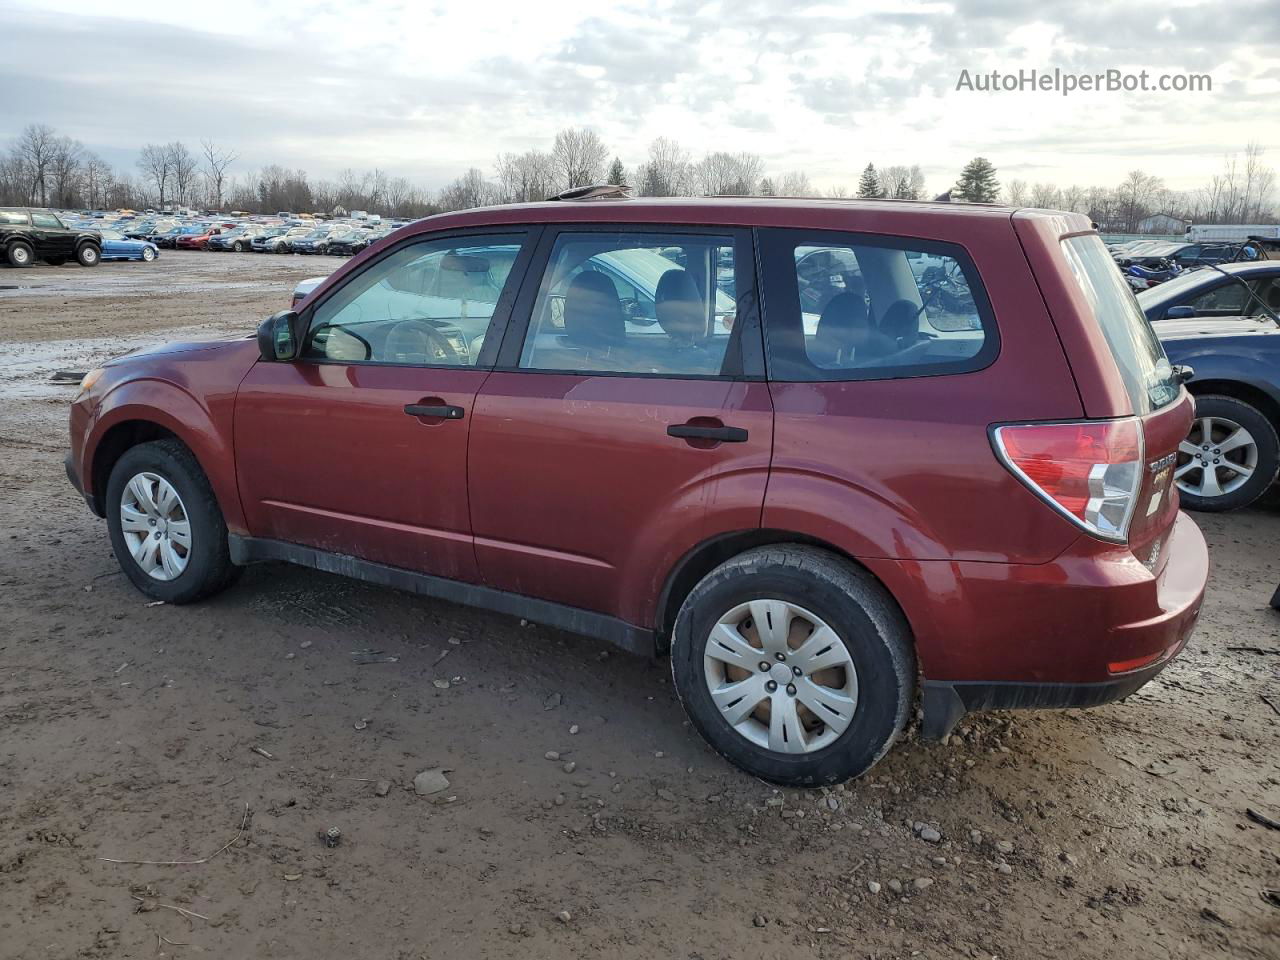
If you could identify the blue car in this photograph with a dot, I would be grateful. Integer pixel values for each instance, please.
(116, 246)
(1232, 454)
(1216, 293)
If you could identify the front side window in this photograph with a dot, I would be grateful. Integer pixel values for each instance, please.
(855, 307)
(46, 220)
(640, 303)
(427, 304)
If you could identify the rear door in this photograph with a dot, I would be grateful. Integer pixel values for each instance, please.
(628, 419)
(359, 447)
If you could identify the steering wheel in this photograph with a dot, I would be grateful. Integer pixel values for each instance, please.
(417, 341)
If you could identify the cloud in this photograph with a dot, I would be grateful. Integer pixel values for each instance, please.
(426, 91)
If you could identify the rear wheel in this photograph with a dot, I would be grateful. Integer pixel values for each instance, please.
(88, 255)
(794, 664)
(20, 254)
(1229, 458)
(166, 529)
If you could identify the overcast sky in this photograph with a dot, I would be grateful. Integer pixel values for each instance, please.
(427, 89)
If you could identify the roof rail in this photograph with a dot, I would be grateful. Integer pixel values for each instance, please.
(596, 191)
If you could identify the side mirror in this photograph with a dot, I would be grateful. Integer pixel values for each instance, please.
(1180, 313)
(1182, 372)
(278, 337)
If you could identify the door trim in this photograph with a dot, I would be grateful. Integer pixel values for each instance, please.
(587, 623)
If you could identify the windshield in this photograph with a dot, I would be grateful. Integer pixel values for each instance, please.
(1146, 371)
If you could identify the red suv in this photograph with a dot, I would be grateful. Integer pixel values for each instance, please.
(827, 454)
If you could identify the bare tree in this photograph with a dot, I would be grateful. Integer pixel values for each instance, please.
(1015, 193)
(34, 151)
(1073, 199)
(469, 190)
(579, 157)
(796, 184)
(728, 174)
(1046, 196)
(64, 170)
(216, 162)
(902, 182)
(156, 167)
(183, 167)
(1259, 182)
(1135, 198)
(667, 172)
(526, 177)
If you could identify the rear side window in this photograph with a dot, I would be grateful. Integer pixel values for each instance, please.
(1147, 374)
(13, 218)
(859, 307)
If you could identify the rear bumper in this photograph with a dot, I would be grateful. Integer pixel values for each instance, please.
(945, 703)
(1089, 628)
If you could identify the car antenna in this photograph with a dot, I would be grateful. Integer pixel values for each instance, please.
(1253, 296)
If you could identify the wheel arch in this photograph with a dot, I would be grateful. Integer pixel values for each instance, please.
(710, 553)
(115, 441)
(1240, 390)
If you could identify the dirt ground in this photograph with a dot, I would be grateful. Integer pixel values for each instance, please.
(235, 732)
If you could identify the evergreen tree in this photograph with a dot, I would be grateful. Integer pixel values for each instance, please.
(977, 183)
(617, 173)
(869, 184)
(766, 188)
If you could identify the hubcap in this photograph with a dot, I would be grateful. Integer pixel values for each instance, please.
(155, 525)
(780, 676)
(1217, 458)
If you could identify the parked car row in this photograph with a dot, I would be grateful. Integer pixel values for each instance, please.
(282, 233)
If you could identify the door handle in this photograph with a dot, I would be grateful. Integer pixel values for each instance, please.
(442, 411)
(722, 434)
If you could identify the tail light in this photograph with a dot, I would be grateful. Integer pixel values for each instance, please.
(1090, 471)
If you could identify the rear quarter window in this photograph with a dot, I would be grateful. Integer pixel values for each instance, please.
(843, 306)
(1146, 371)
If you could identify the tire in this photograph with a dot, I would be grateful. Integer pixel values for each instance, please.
(148, 254)
(1224, 415)
(88, 255)
(207, 568)
(238, 247)
(21, 254)
(865, 620)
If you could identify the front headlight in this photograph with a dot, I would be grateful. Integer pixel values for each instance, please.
(89, 379)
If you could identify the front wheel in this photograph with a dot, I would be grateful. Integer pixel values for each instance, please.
(148, 254)
(238, 247)
(88, 255)
(20, 254)
(165, 526)
(794, 664)
(1229, 458)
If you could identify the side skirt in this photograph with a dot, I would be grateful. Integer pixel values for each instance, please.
(587, 623)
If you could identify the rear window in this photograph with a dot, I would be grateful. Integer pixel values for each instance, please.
(858, 307)
(1147, 374)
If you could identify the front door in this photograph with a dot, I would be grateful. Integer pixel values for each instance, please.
(629, 423)
(359, 447)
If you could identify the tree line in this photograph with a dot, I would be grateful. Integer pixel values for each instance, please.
(44, 168)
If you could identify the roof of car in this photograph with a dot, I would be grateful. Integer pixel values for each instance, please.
(738, 211)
